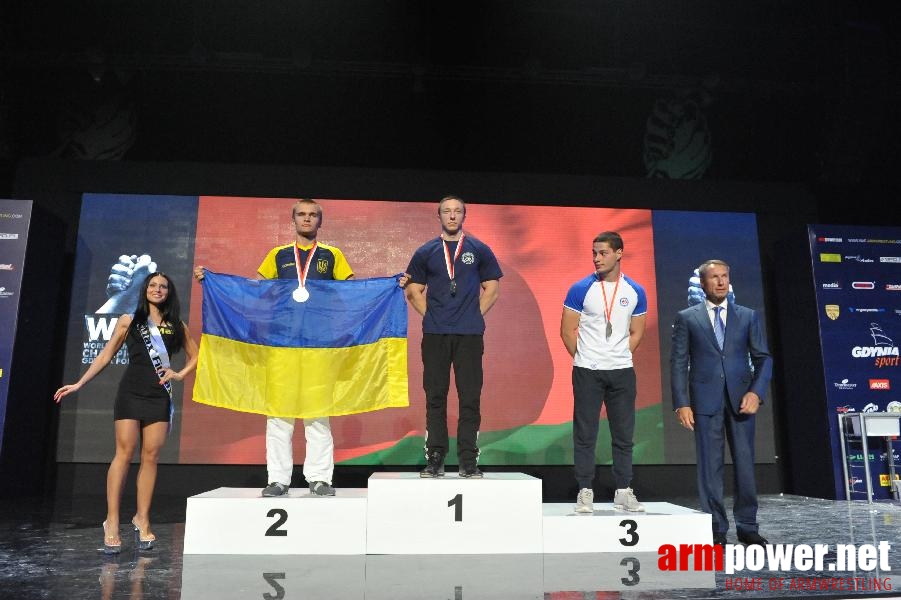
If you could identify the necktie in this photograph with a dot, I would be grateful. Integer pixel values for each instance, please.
(719, 328)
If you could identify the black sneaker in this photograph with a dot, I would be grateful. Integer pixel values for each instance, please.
(435, 465)
(274, 490)
(321, 488)
(470, 472)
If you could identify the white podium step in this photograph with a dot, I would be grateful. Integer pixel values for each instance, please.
(618, 531)
(240, 521)
(499, 514)
(401, 513)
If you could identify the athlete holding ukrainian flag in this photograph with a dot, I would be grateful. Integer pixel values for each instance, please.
(286, 326)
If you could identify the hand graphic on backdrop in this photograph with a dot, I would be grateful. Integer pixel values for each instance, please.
(123, 283)
(696, 294)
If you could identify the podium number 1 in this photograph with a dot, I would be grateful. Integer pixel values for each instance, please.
(457, 503)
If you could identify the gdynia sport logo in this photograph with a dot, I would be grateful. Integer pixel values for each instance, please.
(821, 569)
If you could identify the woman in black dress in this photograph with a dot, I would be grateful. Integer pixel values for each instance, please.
(143, 403)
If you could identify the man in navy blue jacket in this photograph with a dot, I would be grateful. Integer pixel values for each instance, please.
(453, 282)
(716, 393)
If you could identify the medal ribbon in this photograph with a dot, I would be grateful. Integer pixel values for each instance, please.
(608, 310)
(304, 270)
(447, 257)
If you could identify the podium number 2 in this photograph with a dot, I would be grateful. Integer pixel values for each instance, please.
(457, 503)
(281, 516)
(279, 590)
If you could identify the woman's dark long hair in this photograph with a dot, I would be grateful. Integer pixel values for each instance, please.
(170, 309)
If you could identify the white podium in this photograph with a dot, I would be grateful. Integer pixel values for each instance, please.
(239, 521)
(403, 514)
(618, 531)
(498, 514)
(447, 537)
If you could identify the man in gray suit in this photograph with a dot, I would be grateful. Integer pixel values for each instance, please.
(717, 391)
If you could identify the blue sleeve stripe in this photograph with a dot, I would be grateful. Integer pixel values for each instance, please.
(575, 299)
(641, 304)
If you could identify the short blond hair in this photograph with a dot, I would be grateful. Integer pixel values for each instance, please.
(305, 201)
(457, 198)
(702, 270)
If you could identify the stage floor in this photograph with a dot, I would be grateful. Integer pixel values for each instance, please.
(50, 552)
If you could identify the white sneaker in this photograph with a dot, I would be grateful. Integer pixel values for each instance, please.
(584, 500)
(625, 499)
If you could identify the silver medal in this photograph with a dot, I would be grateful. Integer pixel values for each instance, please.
(300, 294)
(609, 329)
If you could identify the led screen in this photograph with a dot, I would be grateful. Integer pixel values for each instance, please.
(527, 395)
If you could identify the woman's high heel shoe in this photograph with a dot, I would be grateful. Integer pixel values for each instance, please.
(111, 542)
(143, 541)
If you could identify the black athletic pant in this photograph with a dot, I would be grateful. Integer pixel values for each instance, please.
(439, 353)
(615, 388)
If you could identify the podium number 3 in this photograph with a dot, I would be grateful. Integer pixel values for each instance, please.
(457, 503)
(281, 516)
(631, 532)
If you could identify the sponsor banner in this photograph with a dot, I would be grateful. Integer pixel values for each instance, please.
(15, 219)
(111, 263)
(860, 333)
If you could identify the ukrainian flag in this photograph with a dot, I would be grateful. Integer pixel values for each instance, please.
(343, 351)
